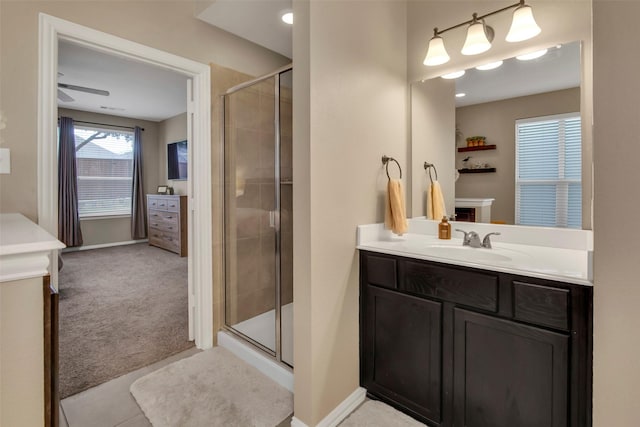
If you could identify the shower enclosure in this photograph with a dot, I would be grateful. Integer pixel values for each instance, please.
(258, 233)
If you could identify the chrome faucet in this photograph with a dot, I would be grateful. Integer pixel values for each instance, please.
(472, 239)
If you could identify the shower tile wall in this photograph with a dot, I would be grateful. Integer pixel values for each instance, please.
(251, 275)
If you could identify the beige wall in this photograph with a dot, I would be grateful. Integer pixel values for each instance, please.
(496, 121)
(21, 353)
(170, 130)
(165, 25)
(113, 230)
(433, 135)
(350, 97)
(616, 153)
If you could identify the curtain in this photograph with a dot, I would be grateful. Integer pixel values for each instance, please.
(69, 231)
(138, 212)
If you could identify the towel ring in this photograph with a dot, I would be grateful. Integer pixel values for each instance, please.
(428, 167)
(386, 160)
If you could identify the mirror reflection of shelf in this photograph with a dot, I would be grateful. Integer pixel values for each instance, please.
(477, 148)
(477, 170)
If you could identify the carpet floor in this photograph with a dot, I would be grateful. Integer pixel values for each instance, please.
(213, 388)
(377, 414)
(121, 308)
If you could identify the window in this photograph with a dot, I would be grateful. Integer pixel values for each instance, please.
(549, 171)
(104, 160)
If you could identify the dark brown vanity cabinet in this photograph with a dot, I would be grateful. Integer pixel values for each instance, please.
(461, 347)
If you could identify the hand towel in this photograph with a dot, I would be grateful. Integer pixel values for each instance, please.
(435, 202)
(395, 218)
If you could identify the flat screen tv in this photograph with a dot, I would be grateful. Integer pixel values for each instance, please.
(177, 160)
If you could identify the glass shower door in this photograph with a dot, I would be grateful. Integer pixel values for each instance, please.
(251, 213)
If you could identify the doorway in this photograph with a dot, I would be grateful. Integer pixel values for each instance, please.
(52, 30)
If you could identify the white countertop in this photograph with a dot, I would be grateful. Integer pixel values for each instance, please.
(565, 264)
(24, 248)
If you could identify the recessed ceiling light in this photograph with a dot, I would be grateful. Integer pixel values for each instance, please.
(489, 66)
(454, 75)
(287, 18)
(460, 95)
(532, 55)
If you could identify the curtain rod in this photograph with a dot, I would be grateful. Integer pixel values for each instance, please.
(103, 124)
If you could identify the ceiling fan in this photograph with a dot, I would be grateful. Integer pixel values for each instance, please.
(64, 97)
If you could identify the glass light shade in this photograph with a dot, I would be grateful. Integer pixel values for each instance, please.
(436, 53)
(533, 55)
(489, 66)
(453, 75)
(523, 26)
(477, 41)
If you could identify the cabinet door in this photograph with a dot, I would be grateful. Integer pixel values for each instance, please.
(402, 351)
(508, 374)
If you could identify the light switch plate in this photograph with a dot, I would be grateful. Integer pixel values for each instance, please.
(5, 160)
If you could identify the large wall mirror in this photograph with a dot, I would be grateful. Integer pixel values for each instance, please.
(532, 164)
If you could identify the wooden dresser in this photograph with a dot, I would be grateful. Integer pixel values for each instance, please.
(167, 221)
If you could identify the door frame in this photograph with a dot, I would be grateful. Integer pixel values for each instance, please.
(51, 30)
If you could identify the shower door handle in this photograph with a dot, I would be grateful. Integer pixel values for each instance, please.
(274, 219)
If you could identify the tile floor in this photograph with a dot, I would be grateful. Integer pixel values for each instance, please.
(110, 404)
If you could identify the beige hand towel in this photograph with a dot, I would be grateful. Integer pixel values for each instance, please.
(394, 216)
(435, 202)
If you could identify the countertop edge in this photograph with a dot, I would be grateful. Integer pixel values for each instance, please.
(502, 269)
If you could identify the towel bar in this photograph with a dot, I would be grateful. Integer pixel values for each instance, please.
(386, 160)
(428, 167)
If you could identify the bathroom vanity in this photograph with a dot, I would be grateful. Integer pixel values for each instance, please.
(456, 345)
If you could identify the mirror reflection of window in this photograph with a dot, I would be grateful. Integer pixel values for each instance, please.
(549, 171)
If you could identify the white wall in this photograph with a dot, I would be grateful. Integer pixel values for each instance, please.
(616, 152)
(350, 97)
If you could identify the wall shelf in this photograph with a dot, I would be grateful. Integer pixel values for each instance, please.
(477, 148)
(478, 170)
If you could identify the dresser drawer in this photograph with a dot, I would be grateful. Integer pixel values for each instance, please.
(169, 217)
(448, 284)
(152, 203)
(166, 240)
(172, 205)
(541, 305)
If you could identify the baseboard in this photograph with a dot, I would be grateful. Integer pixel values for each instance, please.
(103, 245)
(340, 412)
(255, 358)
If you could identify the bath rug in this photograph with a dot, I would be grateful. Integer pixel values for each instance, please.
(377, 414)
(213, 388)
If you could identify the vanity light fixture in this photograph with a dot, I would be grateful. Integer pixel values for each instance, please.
(287, 18)
(461, 95)
(532, 55)
(453, 75)
(480, 35)
(489, 66)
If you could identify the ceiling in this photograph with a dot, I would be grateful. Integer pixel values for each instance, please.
(258, 21)
(136, 89)
(558, 69)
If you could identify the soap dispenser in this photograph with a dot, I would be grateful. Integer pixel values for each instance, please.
(444, 229)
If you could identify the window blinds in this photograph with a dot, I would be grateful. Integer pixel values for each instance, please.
(105, 165)
(549, 171)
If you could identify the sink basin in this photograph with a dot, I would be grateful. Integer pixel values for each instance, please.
(466, 253)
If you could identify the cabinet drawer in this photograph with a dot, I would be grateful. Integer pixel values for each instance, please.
(459, 286)
(172, 205)
(541, 305)
(381, 271)
(169, 217)
(152, 203)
